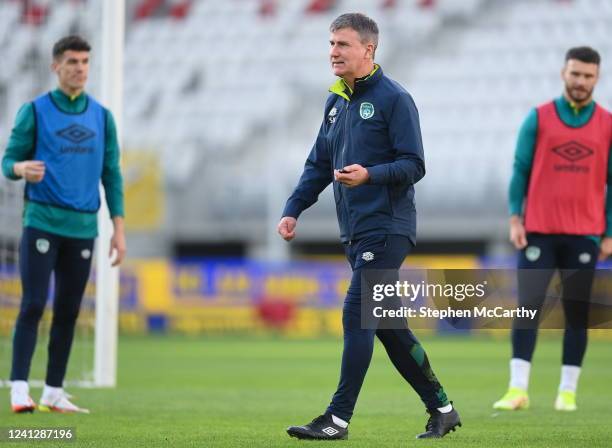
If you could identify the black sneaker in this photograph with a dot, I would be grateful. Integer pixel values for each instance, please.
(321, 428)
(440, 424)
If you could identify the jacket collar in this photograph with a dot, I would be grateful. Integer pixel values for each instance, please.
(341, 88)
(59, 94)
(572, 108)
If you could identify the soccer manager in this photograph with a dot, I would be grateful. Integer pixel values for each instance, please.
(369, 146)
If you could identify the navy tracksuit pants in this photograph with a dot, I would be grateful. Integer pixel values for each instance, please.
(575, 256)
(406, 354)
(40, 254)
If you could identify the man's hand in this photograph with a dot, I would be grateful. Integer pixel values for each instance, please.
(286, 227)
(117, 243)
(32, 171)
(518, 236)
(352, 176)
(605, 250)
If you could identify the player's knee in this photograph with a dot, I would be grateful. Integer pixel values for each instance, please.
(351, 321)
(65, 316)
(31, 312)
(577, 322)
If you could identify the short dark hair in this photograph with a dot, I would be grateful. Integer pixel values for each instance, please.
(74, 43)
(365, 27)
(583, 54)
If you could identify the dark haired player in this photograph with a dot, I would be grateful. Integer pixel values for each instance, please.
(561, 218)
(63, 144)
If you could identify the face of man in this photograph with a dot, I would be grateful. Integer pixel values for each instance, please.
(350, 58)
(72, 69)
(580, 79)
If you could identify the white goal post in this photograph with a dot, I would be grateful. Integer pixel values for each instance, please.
(107, 277)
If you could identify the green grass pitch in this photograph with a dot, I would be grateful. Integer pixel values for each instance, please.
(244, 392)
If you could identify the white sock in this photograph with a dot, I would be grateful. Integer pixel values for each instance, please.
(519, 373)
(20, 387)
(339, 422)
(569, 378)
(446, 409)
(50, 394)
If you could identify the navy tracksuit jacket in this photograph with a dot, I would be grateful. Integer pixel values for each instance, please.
(377, 126)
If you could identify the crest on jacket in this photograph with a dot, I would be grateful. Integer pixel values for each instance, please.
(366, 110)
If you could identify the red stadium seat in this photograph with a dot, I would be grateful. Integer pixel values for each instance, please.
(267, 8)
(35, 12)
(388, 4)
(317, 6)
(180, 9)
(427, 3)
(146, 8)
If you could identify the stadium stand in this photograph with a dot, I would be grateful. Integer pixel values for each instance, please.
(229, 95)
(475, 90)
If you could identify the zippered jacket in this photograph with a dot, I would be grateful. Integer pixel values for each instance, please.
(376, 126)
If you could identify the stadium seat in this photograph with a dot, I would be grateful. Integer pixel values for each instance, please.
(319, 6)
(260, 72)
(147, 8)
(179, 9)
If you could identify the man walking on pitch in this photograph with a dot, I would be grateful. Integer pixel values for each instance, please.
(562, 169)
(369, 145)
(63, 143)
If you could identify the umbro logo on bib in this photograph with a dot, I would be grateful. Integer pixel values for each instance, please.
(76, 133)
(573, 151)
